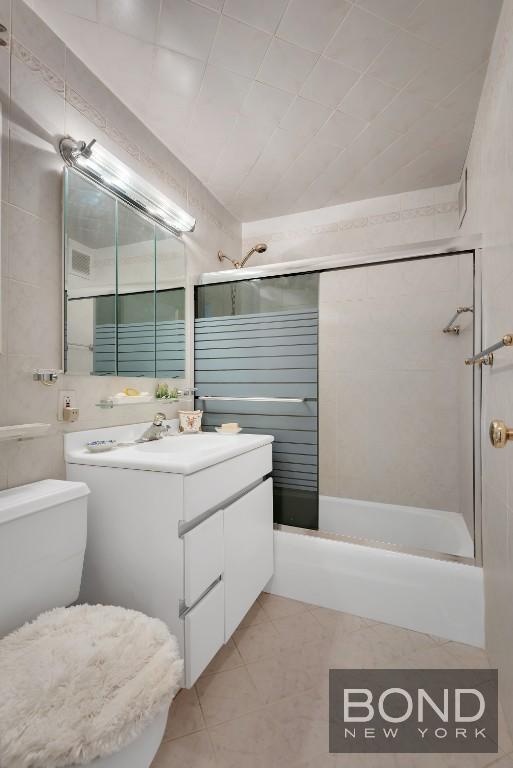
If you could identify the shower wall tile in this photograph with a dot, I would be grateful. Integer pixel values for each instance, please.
(390, 435)
(392, 220)
(51, 94)
(33, 248)
(37, 37)
(35, 171)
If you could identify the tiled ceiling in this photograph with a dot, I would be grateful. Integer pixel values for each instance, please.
(280, 106)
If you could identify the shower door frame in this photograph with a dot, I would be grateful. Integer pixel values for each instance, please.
(415, 254)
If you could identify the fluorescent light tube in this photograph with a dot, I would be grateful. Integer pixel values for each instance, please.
(97, 164)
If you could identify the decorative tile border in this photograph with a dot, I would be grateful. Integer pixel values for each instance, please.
(72, 97)
(27, 58)
(91, 113)
(81, 105)
(361, 222)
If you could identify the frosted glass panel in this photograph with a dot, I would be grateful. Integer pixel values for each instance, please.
(258, 338)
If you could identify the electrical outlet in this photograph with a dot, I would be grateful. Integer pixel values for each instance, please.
(67, 399)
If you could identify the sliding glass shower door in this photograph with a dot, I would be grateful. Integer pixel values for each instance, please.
(256, 354)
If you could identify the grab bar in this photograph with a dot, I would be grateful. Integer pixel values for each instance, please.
(256, 399)
(450, 328)
(485, 357)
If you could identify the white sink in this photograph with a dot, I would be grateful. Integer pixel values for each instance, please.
(181, 454)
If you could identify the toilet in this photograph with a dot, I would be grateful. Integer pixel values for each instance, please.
(43, 530)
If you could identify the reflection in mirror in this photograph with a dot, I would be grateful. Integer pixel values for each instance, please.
(90, 267)
(125, 288)
(136, 294)
(170, 305)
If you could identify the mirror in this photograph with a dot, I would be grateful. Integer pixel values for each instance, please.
(124, 288)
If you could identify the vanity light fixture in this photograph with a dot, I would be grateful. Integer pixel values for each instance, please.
(97, 164)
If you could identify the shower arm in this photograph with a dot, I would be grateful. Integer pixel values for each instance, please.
(221, 256)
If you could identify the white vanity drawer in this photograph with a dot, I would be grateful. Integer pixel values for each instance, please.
(204, 633)
(210, 487)
(203, 557)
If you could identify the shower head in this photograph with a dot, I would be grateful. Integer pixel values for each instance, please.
(258, 248)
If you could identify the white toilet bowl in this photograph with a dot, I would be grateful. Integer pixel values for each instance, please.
(140, 752)
(42, 543)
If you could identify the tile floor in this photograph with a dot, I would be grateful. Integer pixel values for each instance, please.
(263, 700)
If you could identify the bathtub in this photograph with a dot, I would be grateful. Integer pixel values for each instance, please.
(438, 597)
(409, 527)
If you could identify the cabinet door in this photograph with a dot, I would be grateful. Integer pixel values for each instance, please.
(248, 548)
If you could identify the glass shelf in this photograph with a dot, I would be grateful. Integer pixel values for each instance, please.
(135, 401)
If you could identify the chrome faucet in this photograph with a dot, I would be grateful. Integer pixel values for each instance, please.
(156, 430)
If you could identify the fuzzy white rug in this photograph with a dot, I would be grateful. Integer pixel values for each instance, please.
(80, 683)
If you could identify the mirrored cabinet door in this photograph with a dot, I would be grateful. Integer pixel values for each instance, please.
(90, 267)
(125, 288)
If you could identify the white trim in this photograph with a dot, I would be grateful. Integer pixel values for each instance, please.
(437, 597)
(429, 248)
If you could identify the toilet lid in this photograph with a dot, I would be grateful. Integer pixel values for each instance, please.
(81, 683)
(34, 497)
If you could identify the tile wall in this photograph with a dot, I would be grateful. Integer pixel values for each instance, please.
(379, 222)
(395, 397)
(45, 92)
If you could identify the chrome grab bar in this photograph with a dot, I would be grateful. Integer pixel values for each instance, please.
(485, 357)
(450, 328)
(256, 399)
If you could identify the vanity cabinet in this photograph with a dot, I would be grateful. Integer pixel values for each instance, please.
(194, 550)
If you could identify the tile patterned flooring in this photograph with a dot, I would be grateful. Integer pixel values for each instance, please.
(263, 700)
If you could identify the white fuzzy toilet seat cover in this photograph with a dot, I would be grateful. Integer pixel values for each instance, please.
(80, 683)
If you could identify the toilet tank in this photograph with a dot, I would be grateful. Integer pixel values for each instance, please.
(43, 528)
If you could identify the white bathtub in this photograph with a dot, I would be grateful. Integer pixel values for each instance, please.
(408, 527)
(434, 596)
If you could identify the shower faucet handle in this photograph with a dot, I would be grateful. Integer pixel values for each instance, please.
(500, 434)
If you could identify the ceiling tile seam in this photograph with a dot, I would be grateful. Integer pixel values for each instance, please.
(202, 84)
(304, 148)
(435, 105)
(366, 127)
(253, 26)
(130, 35)
(464, 80)
(363, 74)
(401, 167)
(351, 2)
(328, 43)
(239, 113)
(320, 55)
(384, 18)
(273, 36)
(433, 146)
(296, 96)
